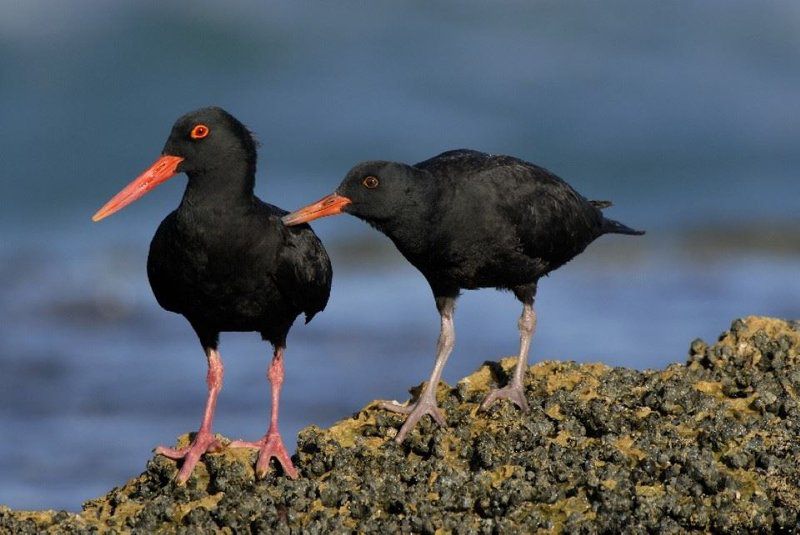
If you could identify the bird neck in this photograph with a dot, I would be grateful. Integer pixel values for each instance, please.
(409, 226)
(412, 240)
(229, 186)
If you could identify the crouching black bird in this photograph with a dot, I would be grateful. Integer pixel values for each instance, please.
(225, 261)
(470, 220)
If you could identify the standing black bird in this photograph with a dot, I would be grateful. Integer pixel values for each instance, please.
(225, 261)
(470, 220)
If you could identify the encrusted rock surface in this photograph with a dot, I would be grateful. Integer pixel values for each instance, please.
(709, 446)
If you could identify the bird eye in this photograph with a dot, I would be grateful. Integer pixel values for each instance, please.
(370, 182)
(199, 131)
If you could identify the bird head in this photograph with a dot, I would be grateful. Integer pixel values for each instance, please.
(200, 143)
(375, 191)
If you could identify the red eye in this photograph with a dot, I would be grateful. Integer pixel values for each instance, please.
(199, 132)
(370, 182)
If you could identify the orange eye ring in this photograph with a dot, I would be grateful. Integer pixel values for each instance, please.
(371, 182)
(200, 131)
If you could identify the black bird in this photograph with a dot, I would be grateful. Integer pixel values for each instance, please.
(470, 220)
(225, 261)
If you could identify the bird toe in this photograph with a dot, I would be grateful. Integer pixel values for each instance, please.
(515, 394)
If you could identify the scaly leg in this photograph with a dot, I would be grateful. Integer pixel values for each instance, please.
(271, 444)
(204, 440)
(515, 390)
(426, 404)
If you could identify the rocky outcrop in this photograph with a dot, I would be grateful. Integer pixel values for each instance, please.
(710, 445)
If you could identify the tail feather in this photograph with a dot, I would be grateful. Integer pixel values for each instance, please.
(601, 204)
(615, 227)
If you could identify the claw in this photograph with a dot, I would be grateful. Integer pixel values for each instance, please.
(203, 442)
(394, 406)
(415, 411)
(271, 445)
(513, 393)
(171, 453)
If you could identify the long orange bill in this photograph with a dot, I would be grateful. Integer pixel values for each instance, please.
(162, 170)
(331, 205)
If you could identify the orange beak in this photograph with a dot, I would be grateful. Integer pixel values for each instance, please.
(331, 205)
(162, 170)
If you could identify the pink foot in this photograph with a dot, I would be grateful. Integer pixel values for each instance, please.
(203, 442)
(415, 411)
(269, 446)
(514, 393)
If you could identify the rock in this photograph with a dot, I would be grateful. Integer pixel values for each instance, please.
(709, 446)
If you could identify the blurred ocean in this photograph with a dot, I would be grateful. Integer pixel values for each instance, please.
(684, 114)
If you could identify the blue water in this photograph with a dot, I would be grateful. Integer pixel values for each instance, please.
(685, 115)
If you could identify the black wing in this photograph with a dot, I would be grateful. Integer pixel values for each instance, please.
(304, 269)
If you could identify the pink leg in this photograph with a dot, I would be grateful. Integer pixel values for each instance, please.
(515, 390)
(271, 444)
(426, 404)
(204, 440)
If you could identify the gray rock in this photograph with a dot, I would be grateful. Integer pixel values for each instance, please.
(710, 446)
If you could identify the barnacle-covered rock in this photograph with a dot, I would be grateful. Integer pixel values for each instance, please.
(709, 446)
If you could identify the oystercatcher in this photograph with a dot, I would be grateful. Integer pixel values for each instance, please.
(469, 220)
(225, 261)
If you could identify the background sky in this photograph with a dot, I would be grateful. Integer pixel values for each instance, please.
(684, 114)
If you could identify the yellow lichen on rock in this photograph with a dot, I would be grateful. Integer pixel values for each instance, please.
(698, 448)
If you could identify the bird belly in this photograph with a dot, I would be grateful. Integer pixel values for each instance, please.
(210, 293)
(472, 265)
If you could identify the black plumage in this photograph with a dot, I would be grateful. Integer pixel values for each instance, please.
(471, 220)
(238, 268)
(225, 261)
